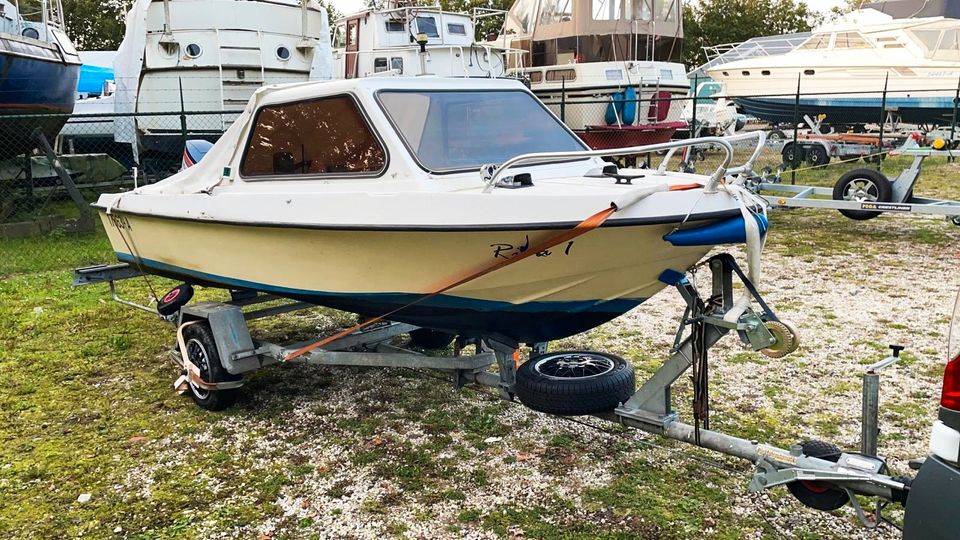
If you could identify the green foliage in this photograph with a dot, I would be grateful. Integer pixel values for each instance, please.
(716, 22)
(94, 25)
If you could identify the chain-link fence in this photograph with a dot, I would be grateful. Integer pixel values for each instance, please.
(53, 166)
(813, 138)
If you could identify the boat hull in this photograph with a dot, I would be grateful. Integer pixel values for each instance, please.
(559, 292)
(30, 86)
(849, 110)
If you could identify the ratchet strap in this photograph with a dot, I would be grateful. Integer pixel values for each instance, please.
(585, 226)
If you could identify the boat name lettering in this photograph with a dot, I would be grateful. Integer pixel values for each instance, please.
(508, 251)
(119, 222)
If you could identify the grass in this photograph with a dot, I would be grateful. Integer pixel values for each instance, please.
(86, 407)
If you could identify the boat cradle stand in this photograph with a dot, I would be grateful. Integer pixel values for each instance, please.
(648, 409)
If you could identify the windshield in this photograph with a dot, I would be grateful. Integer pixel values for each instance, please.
(467, 129)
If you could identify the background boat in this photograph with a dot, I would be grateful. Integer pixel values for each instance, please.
(40, 70)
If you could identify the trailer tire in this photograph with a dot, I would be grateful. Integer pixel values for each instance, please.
(202, 351)
(865, 185)
(574, 383)
(175, 299)
(789, 155)
(819, 495)
(430, 339)
(817, 155)
(776, 135)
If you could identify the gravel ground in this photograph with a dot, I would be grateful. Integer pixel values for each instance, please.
(399, 453)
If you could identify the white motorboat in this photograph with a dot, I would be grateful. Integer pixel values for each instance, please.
(585, 55)
(385, 41)
(210, 56)
(844, 66)
(399, 194)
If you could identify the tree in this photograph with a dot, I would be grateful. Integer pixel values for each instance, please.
(95, 25)
(716, 22)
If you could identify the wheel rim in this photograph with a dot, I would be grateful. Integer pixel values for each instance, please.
(197, 354)
(573, 365)
(861, 189)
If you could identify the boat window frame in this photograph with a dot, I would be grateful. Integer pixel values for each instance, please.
(416, 158)
(316, 176)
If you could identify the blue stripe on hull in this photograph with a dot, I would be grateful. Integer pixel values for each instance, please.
(849, 110)
(527, 323)
(33, 86)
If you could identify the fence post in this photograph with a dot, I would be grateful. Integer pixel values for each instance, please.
(563, 99)
(953, 122)
(693, 118)
(883, 120)
(183, 117)
(795, 162)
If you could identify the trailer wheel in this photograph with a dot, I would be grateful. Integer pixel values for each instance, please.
(817, 155)
(573, 383)
(202, 351)
(789, 155)
(819, 495)
(175, 299)
(863, 185)
(776, 135)
(430, 339)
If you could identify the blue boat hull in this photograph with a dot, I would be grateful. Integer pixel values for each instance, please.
(32, 86)
(530, 322)
(849, 110)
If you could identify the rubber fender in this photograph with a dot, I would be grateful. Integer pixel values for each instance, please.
(629, 106)
(730, 231)
(614, 109)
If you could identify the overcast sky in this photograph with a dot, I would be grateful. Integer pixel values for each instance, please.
(350, 6)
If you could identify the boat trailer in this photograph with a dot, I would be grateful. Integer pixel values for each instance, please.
(862, 194)
(817, 473)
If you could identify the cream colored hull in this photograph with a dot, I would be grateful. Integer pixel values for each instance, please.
(608, 270)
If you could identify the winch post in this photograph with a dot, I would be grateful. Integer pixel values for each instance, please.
(870, 422)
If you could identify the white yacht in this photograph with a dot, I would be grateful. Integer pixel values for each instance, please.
(843, 67)
(612, 64)
(210, 55)
(388, 40)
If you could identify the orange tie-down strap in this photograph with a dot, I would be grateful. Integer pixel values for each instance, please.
(585, 226)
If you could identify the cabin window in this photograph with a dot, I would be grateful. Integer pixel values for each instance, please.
(31, 33)
(457, 29)
(666, 75)
(614, 74)
(765, 72)
(561, 75)
(535, 76)
(283, 53)
(428, 26)
(555, 11)
(395, 26)
(817, 41)
(745, 73)
(809, 72)
(379, 65)
(193, 50)
(851, 40)
(396, 63)
(461, 130)
(607, 10)
(327, 136)
(726, 74)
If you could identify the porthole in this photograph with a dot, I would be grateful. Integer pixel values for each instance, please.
(193, 50)
(283, 53)
(31, 33)
(745, 73)
(765, 72)
(808, 72)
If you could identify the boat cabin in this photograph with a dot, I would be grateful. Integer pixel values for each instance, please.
(385, 42)
(567, 31)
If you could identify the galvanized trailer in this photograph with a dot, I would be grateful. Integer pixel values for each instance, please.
(863, 194)
(215, 349)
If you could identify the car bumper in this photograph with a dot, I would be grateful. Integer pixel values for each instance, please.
(932, 503)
